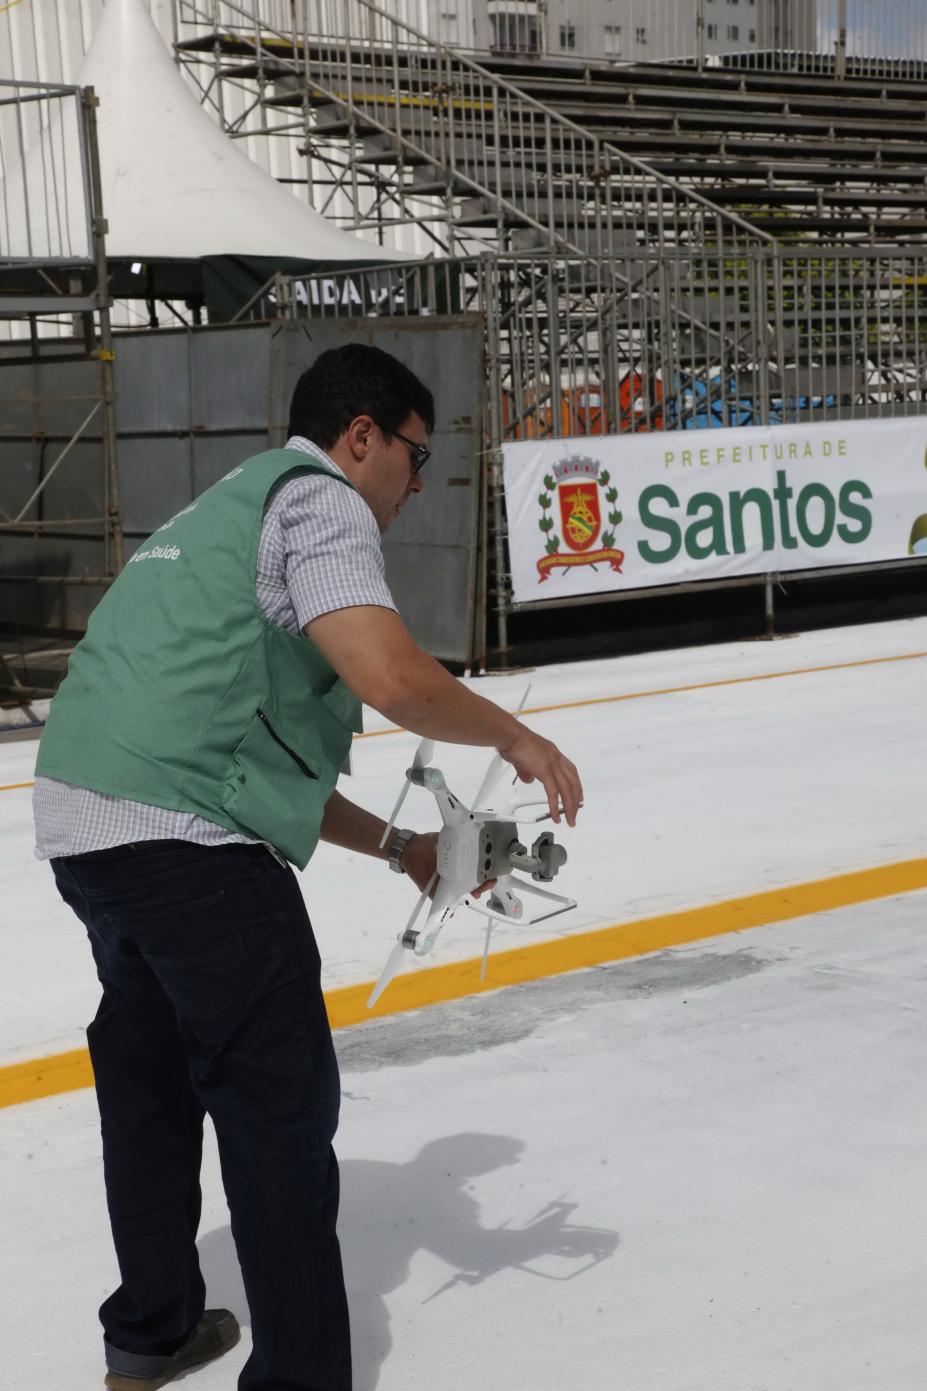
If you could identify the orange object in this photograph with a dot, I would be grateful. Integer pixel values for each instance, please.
(582, 411)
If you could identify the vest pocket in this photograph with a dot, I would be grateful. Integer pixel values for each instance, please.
(303, 766)
(272, 788)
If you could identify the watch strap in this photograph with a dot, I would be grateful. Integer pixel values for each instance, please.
(396, 850)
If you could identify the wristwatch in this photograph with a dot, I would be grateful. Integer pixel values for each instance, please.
(396, 851)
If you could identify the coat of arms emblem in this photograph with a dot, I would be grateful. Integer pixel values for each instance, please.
(577, 482)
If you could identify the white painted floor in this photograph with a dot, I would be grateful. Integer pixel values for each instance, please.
(700, 1171)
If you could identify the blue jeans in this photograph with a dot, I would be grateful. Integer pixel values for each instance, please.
(212, 1003)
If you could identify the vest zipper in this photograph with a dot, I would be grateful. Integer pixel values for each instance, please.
(292, 752)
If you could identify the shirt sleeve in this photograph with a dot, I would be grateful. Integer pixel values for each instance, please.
(333, 556)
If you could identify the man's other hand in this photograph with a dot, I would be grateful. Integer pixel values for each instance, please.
(420, 861)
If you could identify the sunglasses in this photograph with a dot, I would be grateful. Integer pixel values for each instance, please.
(420, 457)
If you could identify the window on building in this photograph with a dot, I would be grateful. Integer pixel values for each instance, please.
(568, 36)
(733, 31)
(613, 40)
(640, 35)
(711, 30)
(448, 16)
(515, 33)
(752, 36)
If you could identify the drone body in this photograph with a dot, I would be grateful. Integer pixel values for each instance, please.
(475, 846)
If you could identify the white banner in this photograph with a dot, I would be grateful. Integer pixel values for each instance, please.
(604, 512)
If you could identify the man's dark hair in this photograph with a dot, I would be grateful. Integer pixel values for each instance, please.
(357, 379)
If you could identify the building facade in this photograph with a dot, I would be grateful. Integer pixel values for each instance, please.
(633, 31)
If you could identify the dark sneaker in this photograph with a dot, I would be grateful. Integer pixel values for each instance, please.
(216, 1332)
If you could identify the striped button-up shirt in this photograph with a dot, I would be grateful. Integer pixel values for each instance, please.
(319, 551)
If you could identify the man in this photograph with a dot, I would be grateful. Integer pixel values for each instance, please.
(192, 750)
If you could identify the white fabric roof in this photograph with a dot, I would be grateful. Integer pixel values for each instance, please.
(175, 186)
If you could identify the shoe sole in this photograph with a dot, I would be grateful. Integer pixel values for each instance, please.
(118, 1381)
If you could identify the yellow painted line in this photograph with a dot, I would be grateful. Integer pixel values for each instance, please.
(9, 5)
(645, 695)
(727, 681)
(62, 1072)
(71, 1071)
(678, 690)
(579, 950)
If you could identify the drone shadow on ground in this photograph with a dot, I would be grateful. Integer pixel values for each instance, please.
(392, 1211)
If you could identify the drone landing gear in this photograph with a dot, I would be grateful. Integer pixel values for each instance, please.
(490, 924)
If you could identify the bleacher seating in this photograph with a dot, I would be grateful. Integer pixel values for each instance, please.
(799, 156)
(793, 153)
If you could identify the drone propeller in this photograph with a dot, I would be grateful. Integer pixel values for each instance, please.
(498, 766)
(394, 964)
(446, 901)
(397, 956)
(423, 756)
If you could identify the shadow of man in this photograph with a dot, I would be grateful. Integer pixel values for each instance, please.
(389, 1212)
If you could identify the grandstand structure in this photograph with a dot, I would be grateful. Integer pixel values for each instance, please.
(410, 129)
(710, 233)
(719, 230)
(721, 239)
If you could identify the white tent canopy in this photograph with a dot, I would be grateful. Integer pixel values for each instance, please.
(175, 186)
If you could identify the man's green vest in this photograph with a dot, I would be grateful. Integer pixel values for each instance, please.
(182, 695)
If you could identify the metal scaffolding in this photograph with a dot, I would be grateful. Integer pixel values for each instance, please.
(54, 303)
(389, 127)
(409, 131)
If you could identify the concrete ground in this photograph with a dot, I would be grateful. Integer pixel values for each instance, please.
(699, 1170)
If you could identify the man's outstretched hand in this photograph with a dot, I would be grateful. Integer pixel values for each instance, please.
(537, 759)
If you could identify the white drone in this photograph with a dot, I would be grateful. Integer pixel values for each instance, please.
(474, 846)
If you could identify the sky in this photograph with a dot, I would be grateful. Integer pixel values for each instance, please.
(876, 28)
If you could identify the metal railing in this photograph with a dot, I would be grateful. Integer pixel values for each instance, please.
(527, 166)
(840, 38)
(45, 206)
(772, 336)
(54, 301)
